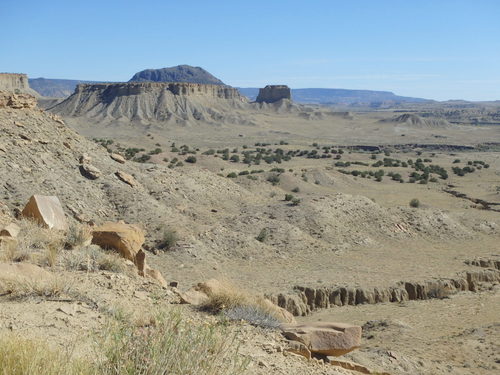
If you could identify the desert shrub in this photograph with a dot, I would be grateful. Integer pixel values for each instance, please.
(169, 239)
(21, 357)
(415, 203)
(253, 178)
(234, 158)
(295, 201)
(170, 345)
(191, 159)
(156, 151)
(253, 315)
(232, 175)
(263, 234)
(92, 259)
(273, 179)
(77, 235)
(296, 189)
(243, 173)
(143, 158)
(456, 161)
(288, 197)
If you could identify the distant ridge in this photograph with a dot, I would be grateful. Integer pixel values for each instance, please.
(339, 96)
(179, 73)
(55, 88)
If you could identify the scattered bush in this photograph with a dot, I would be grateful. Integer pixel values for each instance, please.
(415, 203)
(288, 197)
(295, 201)
(190, 159)
(262, 236)
(253, 315)
(169, 239)
(296, 189)
(232, 175)
(274, 179)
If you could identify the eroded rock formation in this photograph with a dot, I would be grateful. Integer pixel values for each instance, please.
(273, 93)
(16, 83)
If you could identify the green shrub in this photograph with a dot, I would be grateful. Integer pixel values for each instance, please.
(263, 234)
(273, 179)
(296, 189)
(232, 175)
(415, 203)
(288, 197)
(295, 201)
(190, 159)
(169, 239)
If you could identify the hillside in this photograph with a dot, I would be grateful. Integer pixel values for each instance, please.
(180, 73)
(339, 96)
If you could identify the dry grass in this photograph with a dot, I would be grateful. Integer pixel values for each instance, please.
(23, 287)
(22, 357)
(78, 235)
(170, 345)
(228, 297)
(37, 244)
(92, 259)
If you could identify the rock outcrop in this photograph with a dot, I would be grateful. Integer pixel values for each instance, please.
(324, 338)
(304, 300)
(47, 211)
(16, 101)
(127, 239)
(273, 93)
(16, 83)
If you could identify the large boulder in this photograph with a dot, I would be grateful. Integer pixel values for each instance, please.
(330, 339)
(47, 211)
(127, 239)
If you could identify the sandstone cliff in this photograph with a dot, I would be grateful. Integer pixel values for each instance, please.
(273, 93)
(159, 101)
(16, 83)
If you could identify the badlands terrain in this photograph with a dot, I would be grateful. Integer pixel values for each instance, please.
(387, 220)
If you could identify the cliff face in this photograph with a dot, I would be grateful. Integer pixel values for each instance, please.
(273, 93)
(161, 101)
(15, 83)
(176, 88)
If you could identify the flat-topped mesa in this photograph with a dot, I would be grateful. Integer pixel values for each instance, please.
(274, 93)
(176, 88)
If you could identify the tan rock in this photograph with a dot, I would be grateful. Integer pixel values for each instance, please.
(89, 171)
(84, 159)
(193, 297)
(117, 157)
(20, 271)
(10, 230)
(156, 275)
(299, 348)
(128, 179)
(46, 210)
(331, 339)
(127, 239)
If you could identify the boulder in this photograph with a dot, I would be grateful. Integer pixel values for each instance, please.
(89, 171)
(10, 230)
(127, 239)
(193, 297)
(118, 158)
(47, 211)
(331, 339)
(297, 347)
(128, 179)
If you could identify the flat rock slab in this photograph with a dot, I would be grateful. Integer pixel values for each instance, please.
(46, 210)
(330, 339)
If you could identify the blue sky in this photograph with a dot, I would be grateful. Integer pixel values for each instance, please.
(439, 49)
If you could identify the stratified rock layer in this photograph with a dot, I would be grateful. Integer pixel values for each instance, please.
(16, 83)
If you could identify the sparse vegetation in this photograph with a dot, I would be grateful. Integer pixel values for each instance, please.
(169, 239)
(262, 236)
(415, 203)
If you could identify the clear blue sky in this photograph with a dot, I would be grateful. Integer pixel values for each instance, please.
(439, 49)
